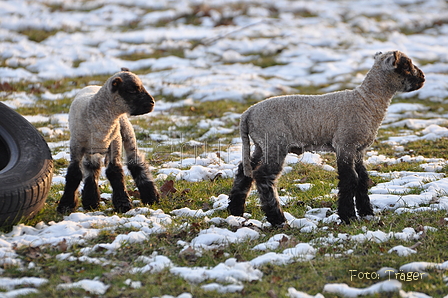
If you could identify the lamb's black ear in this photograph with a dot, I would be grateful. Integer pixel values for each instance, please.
(116, 84)
(392, 60)
(125, 69)
(397, 57)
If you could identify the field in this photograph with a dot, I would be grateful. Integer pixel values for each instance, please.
(205, 63)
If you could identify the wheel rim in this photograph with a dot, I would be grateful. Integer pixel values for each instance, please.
(9, 152)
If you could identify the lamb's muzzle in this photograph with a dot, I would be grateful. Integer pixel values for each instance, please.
(345, 122)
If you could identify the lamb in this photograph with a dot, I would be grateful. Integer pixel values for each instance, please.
(345, 122)
(99, 125)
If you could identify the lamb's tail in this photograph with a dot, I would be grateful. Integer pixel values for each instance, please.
(244, 133)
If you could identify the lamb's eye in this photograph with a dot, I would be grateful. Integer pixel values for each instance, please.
(132, 91)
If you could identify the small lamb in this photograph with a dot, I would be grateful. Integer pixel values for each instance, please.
(99, 125)
(345, 122)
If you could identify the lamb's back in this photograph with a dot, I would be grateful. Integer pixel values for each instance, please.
(79, 114)
(303, 116)
(80, 104)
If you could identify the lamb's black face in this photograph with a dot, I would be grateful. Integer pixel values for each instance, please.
(413, 77)
(135, 95)
(139, 101)
(409, 78)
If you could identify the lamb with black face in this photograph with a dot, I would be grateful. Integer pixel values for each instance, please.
(345, 122)
(99, 127)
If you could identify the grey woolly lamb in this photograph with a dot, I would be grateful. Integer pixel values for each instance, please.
(345, 122)
(99, 125)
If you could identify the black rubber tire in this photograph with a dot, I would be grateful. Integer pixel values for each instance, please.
(26, 168)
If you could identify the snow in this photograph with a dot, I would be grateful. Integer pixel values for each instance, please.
(402, 251)
(154, 264)
(92, 286)
(422, 266)
(229, 271)
(7, 283)
(346, 291)
(301, 252)
(333, 47)
(214, 237)
(293, 293)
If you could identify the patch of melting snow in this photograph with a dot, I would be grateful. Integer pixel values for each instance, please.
(431, 132)
(95, 287)
(231, 271)
(215, 237)
(402, 251)
(347, 291)
(154, 264)
(293, 293)
(423, 266)
(9, 284)
(300, 253)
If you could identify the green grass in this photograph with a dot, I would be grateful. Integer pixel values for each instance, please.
(309, 276)
(266, 61)
(332, 263)
(158, 53)
(429, 149)
(37, 35)
(46, 107)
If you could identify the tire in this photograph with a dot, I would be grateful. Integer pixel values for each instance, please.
(26, 168)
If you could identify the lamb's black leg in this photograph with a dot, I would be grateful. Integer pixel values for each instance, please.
(362, 198)
(238, 194)
(136, 163)
(73, 177)
(241, 186)
(348, 183)
(142, 178)
(90, 192)
(120, 197)
(266, 179)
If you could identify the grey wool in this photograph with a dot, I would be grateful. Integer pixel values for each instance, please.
(345, 122)
(99, 125)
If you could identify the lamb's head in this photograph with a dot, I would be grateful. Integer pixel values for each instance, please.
(129, 87)
(407, 77)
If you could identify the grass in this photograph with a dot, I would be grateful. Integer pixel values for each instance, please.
(158, 53)
(429, 149)
(331, 264)
(46, 107)
(309, 276)
(37, 35)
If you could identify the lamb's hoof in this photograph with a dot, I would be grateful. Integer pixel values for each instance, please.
(149, 194)
(65, 209)
(92, 206)
(278, 223)
(276, 218)
(366, 213)
(280, 226)
(123, 207)
(348, 219)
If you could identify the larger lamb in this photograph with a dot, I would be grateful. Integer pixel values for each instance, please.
(345, 122)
